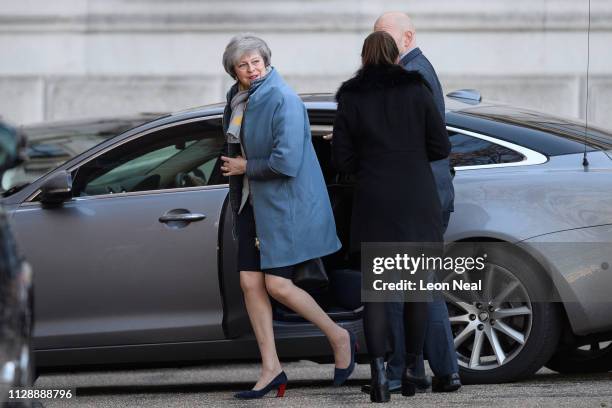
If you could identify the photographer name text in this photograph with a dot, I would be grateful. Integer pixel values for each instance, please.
(407, 285)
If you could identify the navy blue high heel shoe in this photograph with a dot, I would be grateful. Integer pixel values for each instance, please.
(342, 374)
(279, 383)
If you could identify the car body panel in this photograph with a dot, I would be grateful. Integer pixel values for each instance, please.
(534, 200)
(120, 276)
(584, 281)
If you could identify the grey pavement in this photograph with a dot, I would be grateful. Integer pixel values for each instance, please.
(309, 386)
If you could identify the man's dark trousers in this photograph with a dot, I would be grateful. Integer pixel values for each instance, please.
(439, 347)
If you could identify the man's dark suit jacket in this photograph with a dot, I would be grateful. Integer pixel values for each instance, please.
(416, 61)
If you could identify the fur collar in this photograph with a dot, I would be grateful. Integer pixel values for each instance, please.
(380, 77)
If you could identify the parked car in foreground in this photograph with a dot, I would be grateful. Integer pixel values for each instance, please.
(135, 260)
(16, 367)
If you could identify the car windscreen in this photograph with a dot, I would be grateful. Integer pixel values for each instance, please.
(51, 145)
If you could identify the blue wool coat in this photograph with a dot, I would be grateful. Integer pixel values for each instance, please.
(293, 215)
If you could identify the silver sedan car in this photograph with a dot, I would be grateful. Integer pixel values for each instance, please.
(134, 260)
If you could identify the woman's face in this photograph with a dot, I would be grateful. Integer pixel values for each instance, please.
(249, 68)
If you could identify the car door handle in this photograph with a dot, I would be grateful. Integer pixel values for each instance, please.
(182, 217)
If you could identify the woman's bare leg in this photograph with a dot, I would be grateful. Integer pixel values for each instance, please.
(301, 302)
(260, 314)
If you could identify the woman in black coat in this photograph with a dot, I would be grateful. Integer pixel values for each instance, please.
(387, 130)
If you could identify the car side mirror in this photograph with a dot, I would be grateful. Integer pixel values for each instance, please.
(57, 189)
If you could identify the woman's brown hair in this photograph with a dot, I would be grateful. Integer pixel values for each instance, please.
(379, 48)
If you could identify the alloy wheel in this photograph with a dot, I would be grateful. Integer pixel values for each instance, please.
(490, 326)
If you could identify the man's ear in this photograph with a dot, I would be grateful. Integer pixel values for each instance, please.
(408, 37)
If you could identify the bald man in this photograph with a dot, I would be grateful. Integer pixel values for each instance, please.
(439, 347)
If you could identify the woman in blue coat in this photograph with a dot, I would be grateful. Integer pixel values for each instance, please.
(280, 203)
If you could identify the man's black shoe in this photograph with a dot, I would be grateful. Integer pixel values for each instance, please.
(422, 385)
(395, 390)
(447, 383)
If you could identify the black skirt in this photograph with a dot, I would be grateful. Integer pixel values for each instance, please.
(248, 253)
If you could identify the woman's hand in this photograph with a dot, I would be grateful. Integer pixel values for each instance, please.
(233, 166)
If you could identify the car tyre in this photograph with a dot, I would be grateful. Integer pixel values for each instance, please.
(541, 337)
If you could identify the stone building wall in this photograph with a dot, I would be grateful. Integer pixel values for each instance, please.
(85, 58)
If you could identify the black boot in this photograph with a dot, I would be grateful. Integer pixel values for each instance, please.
(408, 381)
(379, 385)
(447, 383)
(422, 383)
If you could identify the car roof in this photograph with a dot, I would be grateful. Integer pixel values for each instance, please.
(569, 129)
(533, 123)
(547, 134)
(313, 101)
(542, 132)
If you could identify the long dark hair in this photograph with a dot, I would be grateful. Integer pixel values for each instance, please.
(379, 48)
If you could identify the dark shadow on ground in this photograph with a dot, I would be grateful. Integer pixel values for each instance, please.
(540, 379)
(556, 377)
(197, 387)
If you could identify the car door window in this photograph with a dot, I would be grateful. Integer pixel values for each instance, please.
(183, 155)
(473, 151)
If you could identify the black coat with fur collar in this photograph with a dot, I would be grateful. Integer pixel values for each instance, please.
(387, 130)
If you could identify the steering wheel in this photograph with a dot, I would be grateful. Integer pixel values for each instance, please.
(200, 174)
(181, 180)
(187, 180)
